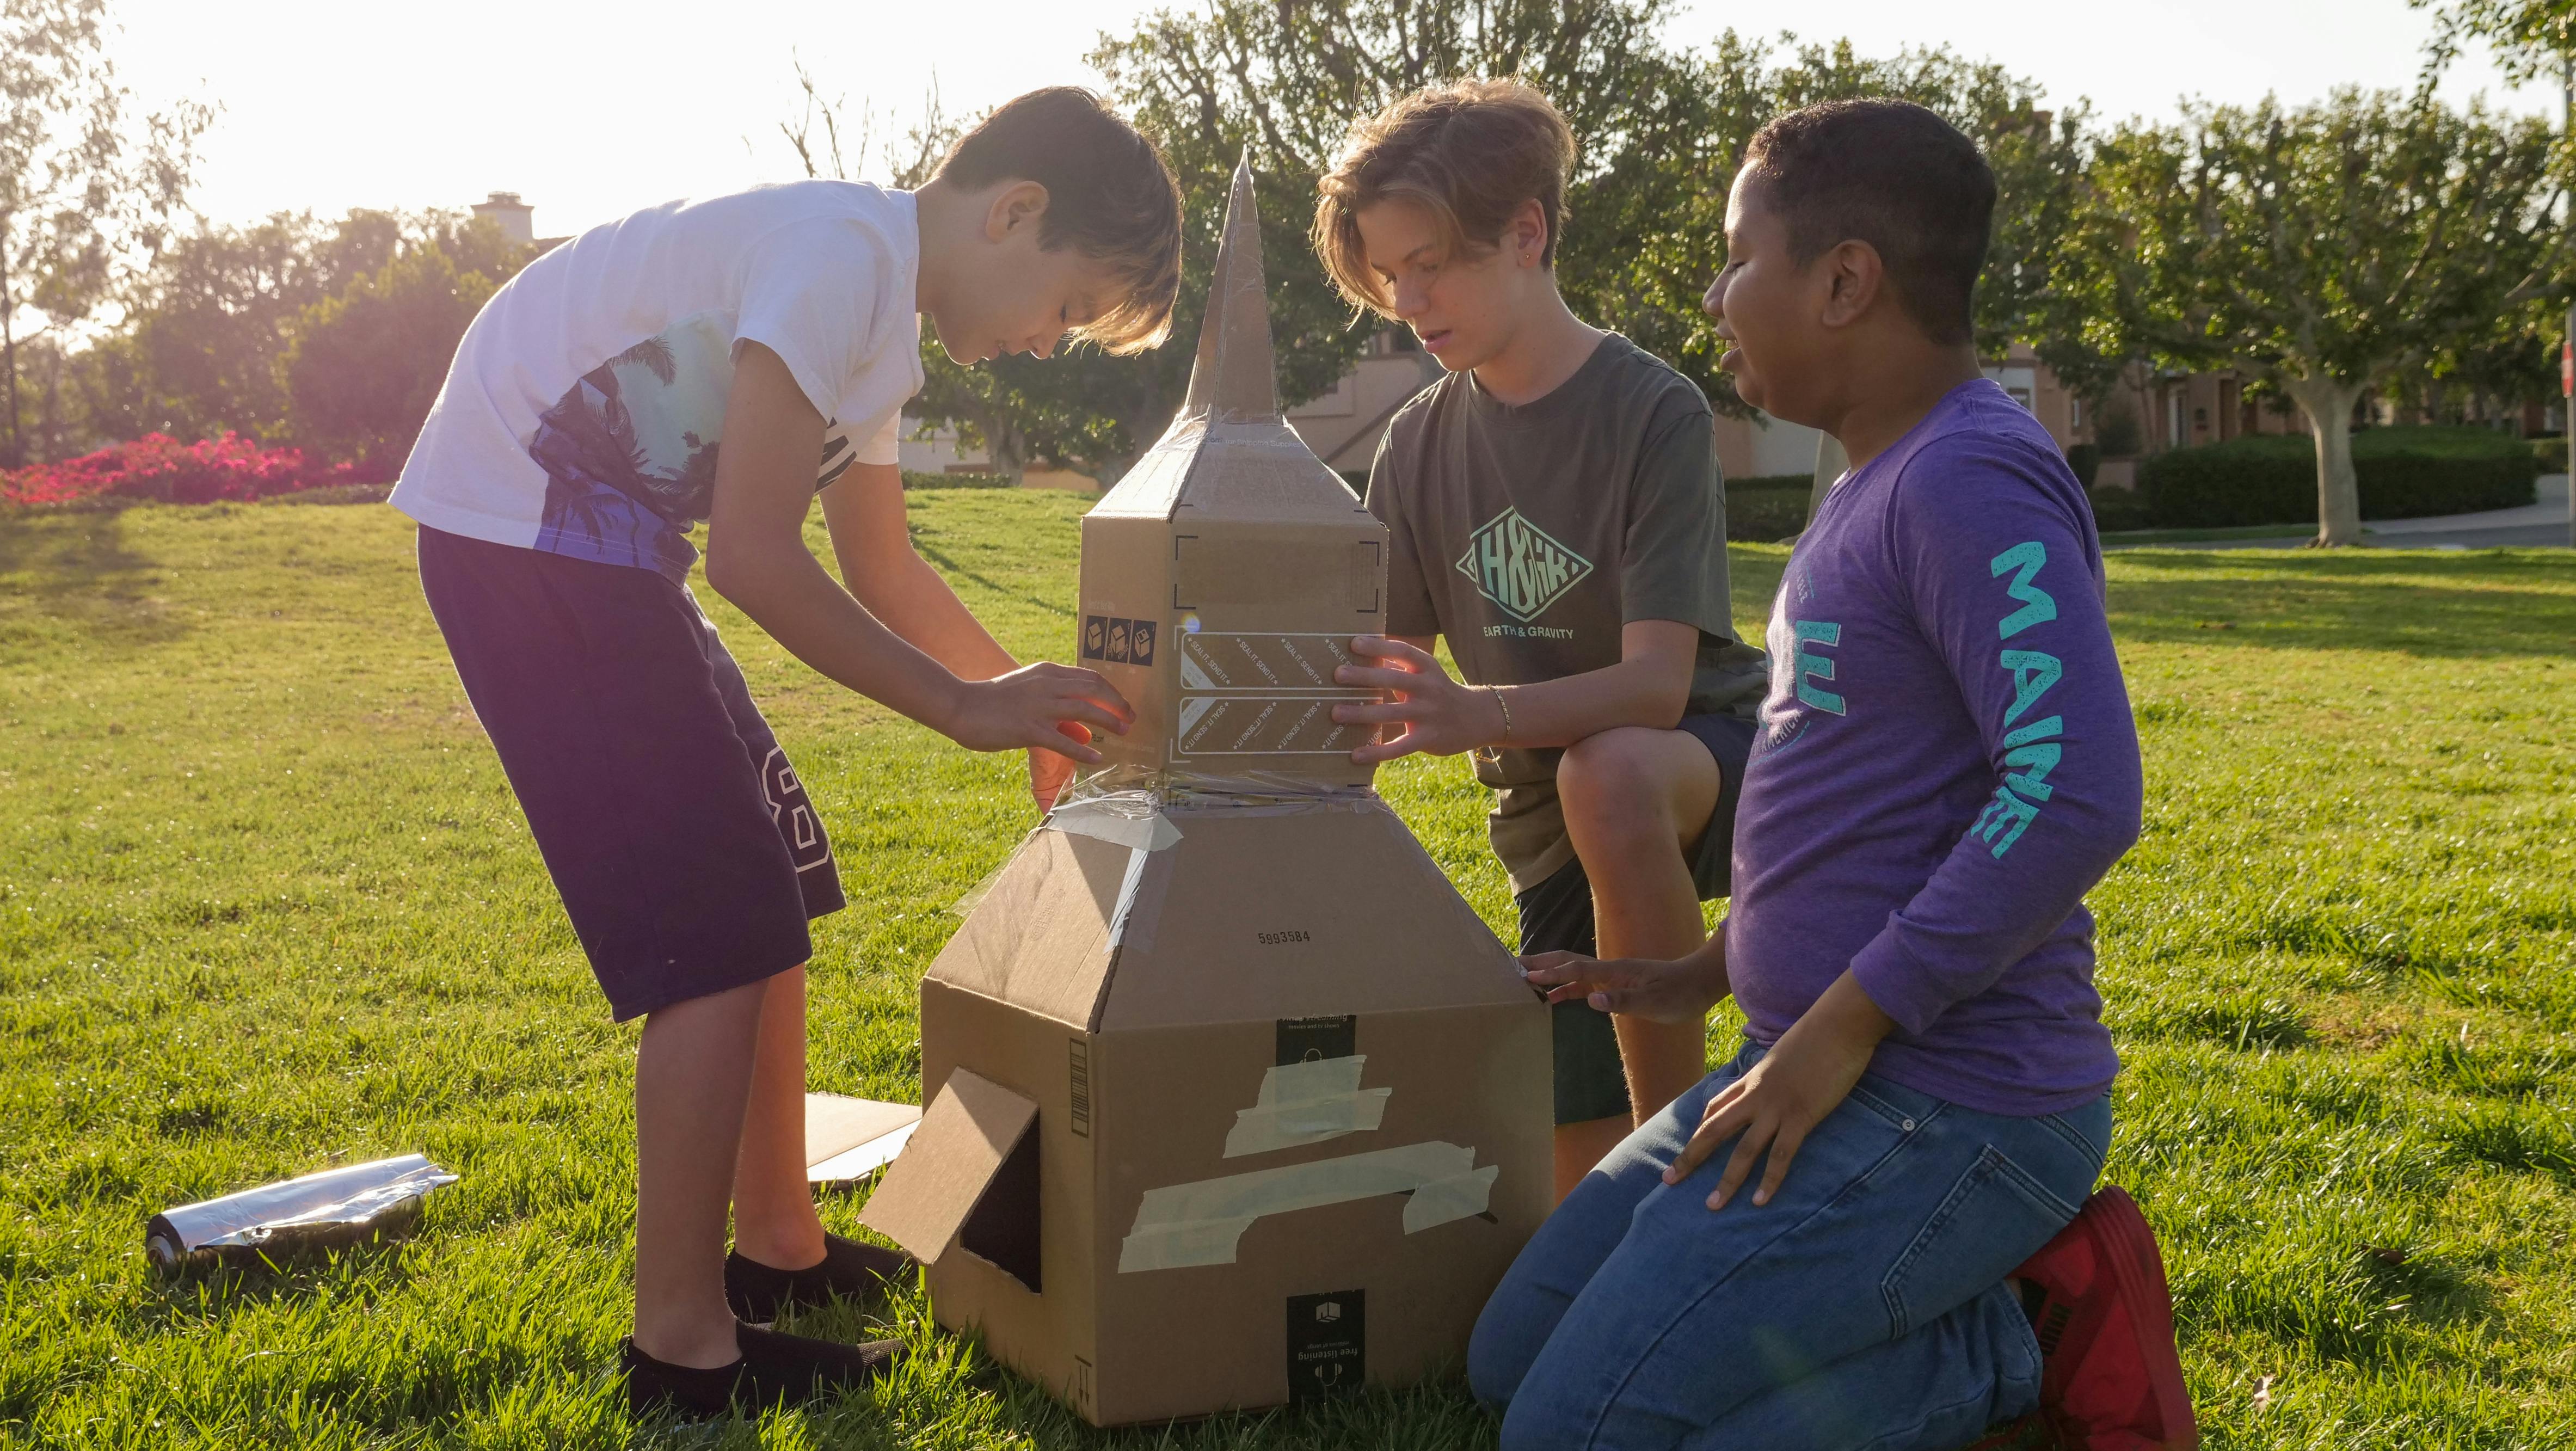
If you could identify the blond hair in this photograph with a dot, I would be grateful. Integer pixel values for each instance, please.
(1470, 153)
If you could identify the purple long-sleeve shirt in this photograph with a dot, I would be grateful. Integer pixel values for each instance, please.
(1946, 764)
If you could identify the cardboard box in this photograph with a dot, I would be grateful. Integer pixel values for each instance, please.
(1233, 1101)
(1224, 576)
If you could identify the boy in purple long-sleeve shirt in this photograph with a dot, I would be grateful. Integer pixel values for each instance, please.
(1946, 764)
(1943, 659)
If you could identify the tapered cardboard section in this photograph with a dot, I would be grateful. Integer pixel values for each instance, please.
(1224, 576)
(1039, 938)
(1298, 914)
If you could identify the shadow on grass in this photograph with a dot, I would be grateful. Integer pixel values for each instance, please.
(954, 570)
(2507, 602)
(953, 1382)
(365, 1272)
(76, 569)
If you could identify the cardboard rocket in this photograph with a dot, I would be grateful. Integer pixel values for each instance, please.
(1232, 1100)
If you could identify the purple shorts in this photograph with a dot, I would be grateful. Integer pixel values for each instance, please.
(681, 841)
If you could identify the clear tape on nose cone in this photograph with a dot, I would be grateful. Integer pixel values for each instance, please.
(1132, 819)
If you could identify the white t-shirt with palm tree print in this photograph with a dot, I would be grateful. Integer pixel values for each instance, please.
(586, 404)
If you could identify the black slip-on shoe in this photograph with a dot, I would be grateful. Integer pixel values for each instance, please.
(684, 1390)
(759, 1293)
(773, 1369)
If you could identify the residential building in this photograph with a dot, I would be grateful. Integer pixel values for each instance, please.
(1343, 426)
(515, 218)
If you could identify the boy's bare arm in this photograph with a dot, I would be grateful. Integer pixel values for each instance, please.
(872, 539)
(1439, 716)
(756, 557)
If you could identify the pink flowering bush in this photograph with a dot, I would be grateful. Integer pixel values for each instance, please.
(157, 466)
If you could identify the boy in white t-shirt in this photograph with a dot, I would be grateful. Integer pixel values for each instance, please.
(726, 361)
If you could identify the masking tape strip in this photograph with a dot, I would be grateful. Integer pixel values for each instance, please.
(1459, 1198)
(1307, 1103)
(1135, 827)
(1182, 1225)
(1288, 1125)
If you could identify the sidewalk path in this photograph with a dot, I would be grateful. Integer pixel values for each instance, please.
(2541, 524)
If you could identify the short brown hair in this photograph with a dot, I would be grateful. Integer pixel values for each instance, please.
(1896, 176)
(1110, 196)
(1469, 152)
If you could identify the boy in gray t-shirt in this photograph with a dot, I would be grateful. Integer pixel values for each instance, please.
(1557, 514)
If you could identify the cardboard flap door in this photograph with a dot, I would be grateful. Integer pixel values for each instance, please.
(968, 1177)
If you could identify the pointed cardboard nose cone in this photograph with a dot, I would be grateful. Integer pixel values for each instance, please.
(1234, 377)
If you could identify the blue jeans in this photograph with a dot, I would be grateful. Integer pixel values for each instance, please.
(1862, 1309)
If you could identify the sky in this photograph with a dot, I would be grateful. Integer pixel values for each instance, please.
(591, 111)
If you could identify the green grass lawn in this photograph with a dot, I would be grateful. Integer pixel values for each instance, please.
(266, 903)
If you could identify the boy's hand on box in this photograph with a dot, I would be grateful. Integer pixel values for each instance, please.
(1680, 991)
(1439, 716)
(1774, 1106)
(1030, 708)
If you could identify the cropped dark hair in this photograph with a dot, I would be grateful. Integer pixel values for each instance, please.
(1896, 176)
(1110, 197)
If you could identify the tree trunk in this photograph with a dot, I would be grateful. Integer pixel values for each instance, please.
(50, 438)
(2413, 396)
(1002, 442)
(2328, 403)
(9, 364)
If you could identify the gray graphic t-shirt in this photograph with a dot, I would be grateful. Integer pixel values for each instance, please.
(1529, 535)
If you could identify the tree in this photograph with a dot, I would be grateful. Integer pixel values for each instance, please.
(2317, 248)
(365, 366)
(2038, 157)
(201, 345)
(2510, 360)
(2529, 36)
(80, 191)
(1286, 80)
(1659, 132)
(208, 323)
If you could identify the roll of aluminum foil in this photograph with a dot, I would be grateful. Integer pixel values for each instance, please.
(344, 1206)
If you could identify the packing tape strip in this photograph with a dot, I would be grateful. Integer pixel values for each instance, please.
(1202, 1223)
(1137, 828)
(1140, 900)
(1307, 1103)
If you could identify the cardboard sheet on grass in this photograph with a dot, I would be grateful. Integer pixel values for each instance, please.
(1232, 1099)
(847, 1139)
